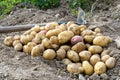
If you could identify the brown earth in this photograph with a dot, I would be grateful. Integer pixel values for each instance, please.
(19, 66)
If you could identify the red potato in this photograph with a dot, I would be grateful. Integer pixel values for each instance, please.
(43, 32)
(76, 39)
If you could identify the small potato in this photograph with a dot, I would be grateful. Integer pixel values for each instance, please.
(65, 36)
(102, 41)
(16, 42)
(73, 68)
(42, 28)
(36, 28)
(27, 32)
(66, 61)
(89, 38)
(40, 36)
(37, 50)
(26, 49)
(47, 43)
(80, 46)
(99, 34)
(49, 54)
(85, 55)
(31, 45)
(82, 27)
(76, 39)
(54, 40)
(87, 46)
(86, 32)
(24, 39)
(16, 37)
(94, 59)
(110, 63)
(62, 27)
(73, 56)
(105, 58)
(100, 68)
(36, 40)
(18, 47)
(87, 67)
(61, 53)
(69, 23)
(95, 49)
(8, 41)
(65, 47)
(33, 33)
(55, 46)
(43, 32)
(53, 32)
(51, 26)
(97, 30)
(54, 24)
(105, 52)
(79, 64)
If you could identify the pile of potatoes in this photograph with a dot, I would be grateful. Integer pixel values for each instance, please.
(81, 49)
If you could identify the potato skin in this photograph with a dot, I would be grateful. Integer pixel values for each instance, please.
(72, 55)
(18, 47)
(110, 63)
(100, 68)
(76, 39)
(85, 55)
(80, 46)
(87, 67)
(61, 53)
(65, 36)
(94, 59)
(95, 49)
(49, 54)
(8, 41)
(66, 61)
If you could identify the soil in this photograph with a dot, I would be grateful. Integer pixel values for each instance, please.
(19, 66)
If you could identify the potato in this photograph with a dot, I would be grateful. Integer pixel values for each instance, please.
(87, 67)
(47, 43)
(16, 42)
(31, 45)
(89, 38)
(26, 49)
(105, 52)
(80, 46)
(99, 34)
(16, 37)
(97, 30)
(27, 32)
(69, 23)
(54, 24)
(43, 32)
(73, 68)
(25, 39)
(76, 39)
(55, 46)
(79, 64)
(73, 56)
(74, 28)
(18, 47)
(86, 32)
(85, 55)
(62, 27)
(110, 63)
(65, 47)
(33, 33)
(100, 68)
(50, 26)
(54, 40)
(66, 61)
(8, 41)
(42, 28)
(82, 28)
(36, 28)
(94, 59)
(95, 49)
(53, 32)
(36, 40)
(102, 41)
(40, 36)
(61, 53)
(65, 36)
(105, 58)
(49, 54)
(87, 46)
(37, 50)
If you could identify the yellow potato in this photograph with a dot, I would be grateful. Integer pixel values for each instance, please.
(63, 27)
(105, 58)
(54, 40)
(80, 46)
(97, 30)
(24, 39)
(105, 52)
(65, 36)
(27, 32)
(8, 41)
(36, 28)
(49, 54)
(33, 33)
(36, 40)
(73, 56)
(94, 59)
(86, 32)
(66, 61)
(40, 36)
(26, 49)
(55, 46)
(100, 68)
(69, 23)
(85, 55)
(87, 46)
(61, 53)
(18, 47)
(51, 26)
(82, 27)
(110, 63)
(95, 49)
(87, 67)
(31, 45)
(89, 38)
(16, 37)
(65, 47)
(16, 42)
(47, 43)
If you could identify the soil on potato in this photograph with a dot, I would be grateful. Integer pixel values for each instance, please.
(20, 66)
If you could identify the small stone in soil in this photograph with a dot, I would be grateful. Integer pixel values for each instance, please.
(95, 77)
(104, 76)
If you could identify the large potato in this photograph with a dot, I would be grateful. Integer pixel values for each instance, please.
(8, 41)
(47, 43)
(80, 46)
(49, 54)
(95, 49)
(110, 63)
(87, 67)
(85, 55)
(102, 40)
(76, 39)
(73, 56)
(94, 59)
(65, 36)
(100, 68)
